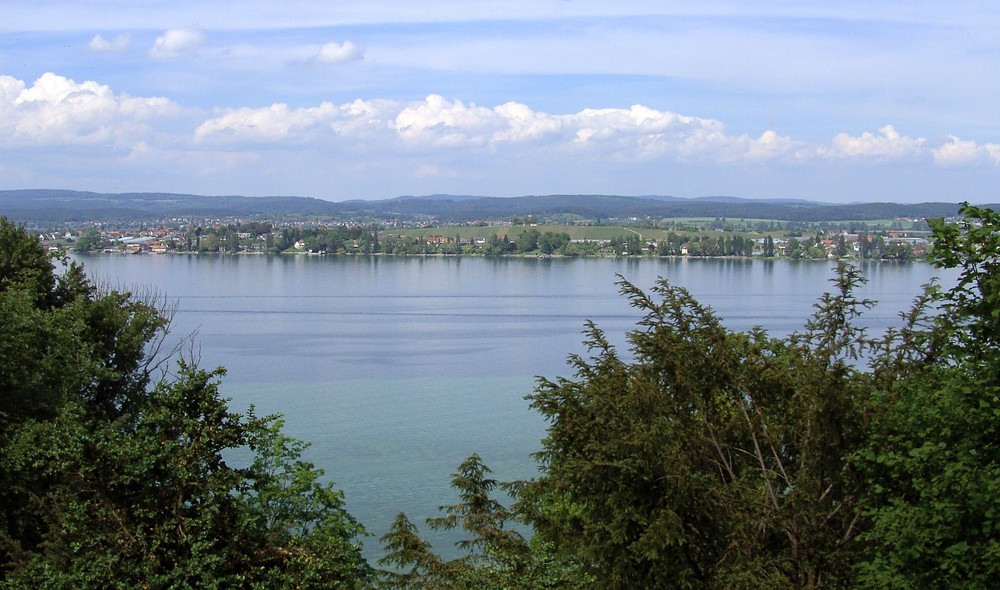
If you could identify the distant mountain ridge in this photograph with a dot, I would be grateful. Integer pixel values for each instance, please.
(56, 206)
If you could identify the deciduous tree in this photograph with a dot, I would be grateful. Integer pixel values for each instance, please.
(933, 463)
(111, 480)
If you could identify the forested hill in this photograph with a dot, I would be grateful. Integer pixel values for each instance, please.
(54, 206)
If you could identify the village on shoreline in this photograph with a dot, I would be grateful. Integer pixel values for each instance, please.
(897, 240)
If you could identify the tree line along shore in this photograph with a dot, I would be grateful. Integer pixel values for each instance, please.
(899, 240)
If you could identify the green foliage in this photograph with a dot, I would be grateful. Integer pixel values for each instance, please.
(973, 246)
(310, 538)
(108, 480)
(713, 458)
(933, 498)
(90, 241)
(24, 265)
(495, 556)
(528, 241)
(933, 464)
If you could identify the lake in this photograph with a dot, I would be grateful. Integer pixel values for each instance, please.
(398, 368)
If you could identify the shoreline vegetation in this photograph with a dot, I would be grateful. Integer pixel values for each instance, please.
(529, 256)
(719, 238)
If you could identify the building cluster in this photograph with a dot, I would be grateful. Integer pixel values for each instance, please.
(232, 236)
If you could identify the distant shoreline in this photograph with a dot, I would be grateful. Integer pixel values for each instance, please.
(507, 256)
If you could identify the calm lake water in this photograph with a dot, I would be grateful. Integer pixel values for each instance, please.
(396, 369)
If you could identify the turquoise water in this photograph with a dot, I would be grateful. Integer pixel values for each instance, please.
(396, 369)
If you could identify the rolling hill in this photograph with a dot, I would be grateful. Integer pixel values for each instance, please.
(42, 206)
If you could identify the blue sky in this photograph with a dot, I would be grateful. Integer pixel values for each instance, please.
(832, 101)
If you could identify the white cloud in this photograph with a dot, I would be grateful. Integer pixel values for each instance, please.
(959, 152)
(887, 143)
(637, 120)
(636, 131)
(524, 124)
(993, 149)
(98, 44)
(10, 89)
(177, 42)
(335, 53)
(645, 133)
(642, 132)
(268, 124)
(446, 134)
(280, 124)
(437, 123)
(771, 145)
(57, 110)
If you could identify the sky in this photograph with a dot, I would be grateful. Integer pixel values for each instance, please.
(833, 101)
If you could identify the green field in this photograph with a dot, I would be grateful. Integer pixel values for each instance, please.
(689, 226)
(575, 232)
(601, 232)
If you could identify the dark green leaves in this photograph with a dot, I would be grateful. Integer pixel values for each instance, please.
(108, 480)
(714, 458)
(933, 462)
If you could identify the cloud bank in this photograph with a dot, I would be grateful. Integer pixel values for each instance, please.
(436, 139)
(638, 132)
(56, 109)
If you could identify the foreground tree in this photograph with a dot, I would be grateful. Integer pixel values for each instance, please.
(933, 464)
(111, 480)
(494, 556)
(712, 458)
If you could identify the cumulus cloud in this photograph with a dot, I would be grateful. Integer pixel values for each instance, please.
(887, 143)
(524, 124)
(770, 145)
(638, 119)
(98, 44)
(959, 152)
(439, 123)
(435, 142)
(57, 110)
(635, 134)
(642, 132)
(272, 123)
(281, 124)
(335, 53)
(637, 131)
(175, 42)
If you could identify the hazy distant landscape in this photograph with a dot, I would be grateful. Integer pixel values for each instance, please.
(43, 206)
